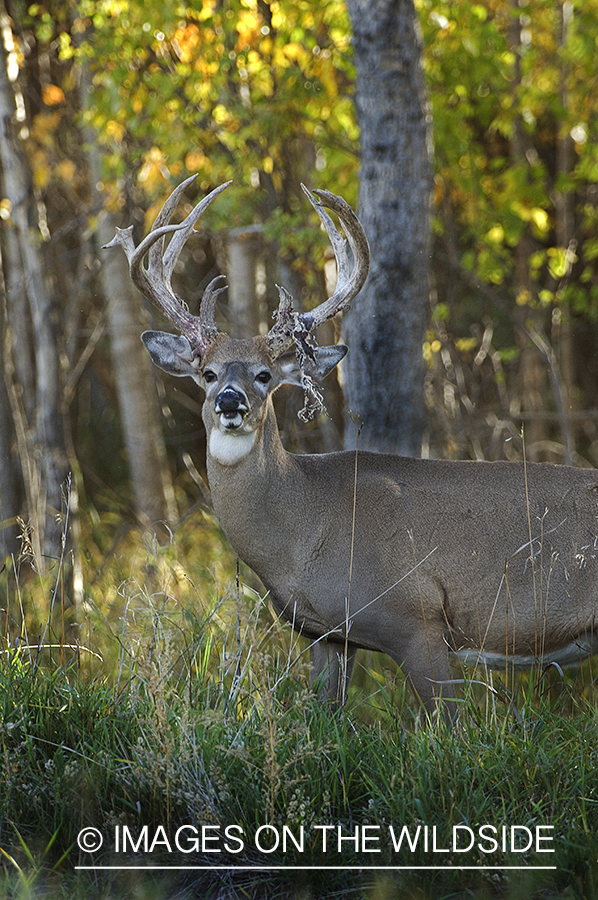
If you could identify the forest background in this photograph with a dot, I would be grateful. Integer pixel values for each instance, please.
(142, 676)
(107, 105)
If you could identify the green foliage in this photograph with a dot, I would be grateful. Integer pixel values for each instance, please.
(262, 93)
(240, 89)
(185, 718)
(511, 90)
(200, 716)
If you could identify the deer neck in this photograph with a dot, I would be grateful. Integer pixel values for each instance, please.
(249, 477)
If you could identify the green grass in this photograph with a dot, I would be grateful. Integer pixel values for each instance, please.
(177, 700)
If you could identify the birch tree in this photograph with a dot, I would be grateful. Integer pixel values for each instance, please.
(32, 340)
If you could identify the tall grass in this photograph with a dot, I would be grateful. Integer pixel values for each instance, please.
(172, 697)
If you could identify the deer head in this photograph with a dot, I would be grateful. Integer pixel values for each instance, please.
(239, 377)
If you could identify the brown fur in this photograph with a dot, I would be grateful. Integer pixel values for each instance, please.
(442, 559)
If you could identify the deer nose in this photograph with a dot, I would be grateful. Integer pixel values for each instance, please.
(230, 401)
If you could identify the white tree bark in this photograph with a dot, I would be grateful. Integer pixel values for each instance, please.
(40, 440)
(243, 246)
(135, 385)
(9, 475)
(134, 379)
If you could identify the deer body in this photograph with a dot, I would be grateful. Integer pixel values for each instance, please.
(439, 562)
(421, 559)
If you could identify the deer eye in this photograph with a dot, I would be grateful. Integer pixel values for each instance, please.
(263, 377)
(209, 376)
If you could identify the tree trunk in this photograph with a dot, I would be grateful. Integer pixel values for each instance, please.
(41, 445)
(385, 328)
(9, 475)
(140, 416)
(243, 248)
(135, 385)
(564, 202)
(532, 370)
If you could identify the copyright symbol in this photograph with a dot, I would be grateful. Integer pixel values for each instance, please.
(90, 840)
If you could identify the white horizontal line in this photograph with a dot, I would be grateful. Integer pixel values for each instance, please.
(316, 868)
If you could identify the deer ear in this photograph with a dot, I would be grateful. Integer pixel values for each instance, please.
(172, 353)
(324, 361)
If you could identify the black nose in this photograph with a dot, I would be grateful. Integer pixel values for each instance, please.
(229, 400)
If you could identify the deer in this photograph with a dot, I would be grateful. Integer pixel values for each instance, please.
(493, 563)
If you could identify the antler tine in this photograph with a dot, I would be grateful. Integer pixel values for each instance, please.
(349, 283)
(156, 251)
(339, 244)
(171, 202)
(207, 307)
(280, 336)
(162, 218)
(154, 281)
(160, 261)
(289, 326)
(178, 241)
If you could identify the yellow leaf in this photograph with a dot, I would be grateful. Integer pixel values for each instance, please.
(560, 260)
(44, 127)
(65, 170)
(293, 51)
(154, 168)
(496, 235)
(116, 130)
(194, 160)
(186, 40)
(207, 10)
(539, 217)
(40, 168)
(523, 297)
(52, 95)
(220, 114)
(466, 344)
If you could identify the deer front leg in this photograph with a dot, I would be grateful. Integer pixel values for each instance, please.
(331, 669)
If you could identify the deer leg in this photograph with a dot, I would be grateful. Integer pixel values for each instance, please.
(331, 669)
(426, 666)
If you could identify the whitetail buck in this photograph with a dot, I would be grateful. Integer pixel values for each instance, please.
(420, 559)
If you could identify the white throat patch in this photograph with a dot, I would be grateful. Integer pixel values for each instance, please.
(229, 448)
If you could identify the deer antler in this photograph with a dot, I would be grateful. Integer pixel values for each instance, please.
(292, 327)
(154, 281)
